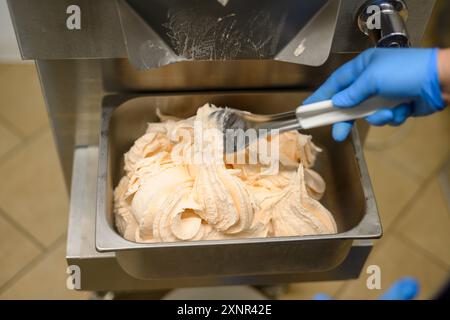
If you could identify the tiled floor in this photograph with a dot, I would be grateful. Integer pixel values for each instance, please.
(33, 198)
(404, 164)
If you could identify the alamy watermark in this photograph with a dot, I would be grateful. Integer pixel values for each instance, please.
(374, 17)
(373, 281)
(73, 21)
(73, 281)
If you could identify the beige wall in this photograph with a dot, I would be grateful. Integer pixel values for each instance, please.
(9, 50)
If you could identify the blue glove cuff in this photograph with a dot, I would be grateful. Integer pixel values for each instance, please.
(432, 90)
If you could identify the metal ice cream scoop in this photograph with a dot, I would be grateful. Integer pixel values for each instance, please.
(302, 118)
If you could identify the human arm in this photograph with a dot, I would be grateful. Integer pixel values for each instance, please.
(414, 74)
(444, 73)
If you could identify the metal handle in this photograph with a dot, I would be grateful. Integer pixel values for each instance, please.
(325, 113)
(314, 108)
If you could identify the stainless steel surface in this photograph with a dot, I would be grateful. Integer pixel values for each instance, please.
(392, 16)
(312, 44)
(145, 48)
(349, 198)
(206, 30)
(73, 92)
(42, 34)
(119, 75)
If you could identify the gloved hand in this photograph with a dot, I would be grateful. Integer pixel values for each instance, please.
(390, 73)
(403, 289)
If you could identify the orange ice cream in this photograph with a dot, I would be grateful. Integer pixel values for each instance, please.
(165, 196)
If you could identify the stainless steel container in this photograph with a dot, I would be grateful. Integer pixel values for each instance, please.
(349, 197)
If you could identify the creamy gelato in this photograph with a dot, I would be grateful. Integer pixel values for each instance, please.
(166, 196)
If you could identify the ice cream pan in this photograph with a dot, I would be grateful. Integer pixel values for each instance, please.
(349, 196)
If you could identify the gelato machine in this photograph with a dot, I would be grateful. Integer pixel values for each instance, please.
(106, 67)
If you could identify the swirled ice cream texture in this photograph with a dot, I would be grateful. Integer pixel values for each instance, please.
(160, 199)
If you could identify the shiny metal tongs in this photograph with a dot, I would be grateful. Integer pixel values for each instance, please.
(304, 117)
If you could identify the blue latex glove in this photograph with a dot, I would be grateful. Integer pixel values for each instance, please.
(390, 73)
(403, 289)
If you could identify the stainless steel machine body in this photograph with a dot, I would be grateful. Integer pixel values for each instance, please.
(125, 47)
